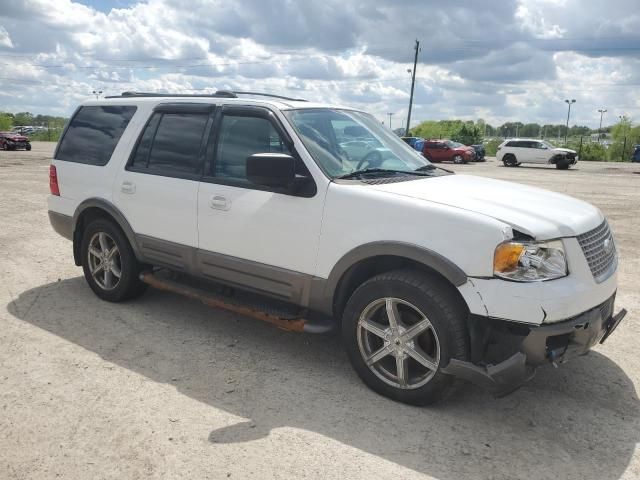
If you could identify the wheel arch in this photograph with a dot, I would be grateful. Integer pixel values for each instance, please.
(91, 209)
(371, 259)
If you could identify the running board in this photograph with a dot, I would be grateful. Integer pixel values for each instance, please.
(281, 319)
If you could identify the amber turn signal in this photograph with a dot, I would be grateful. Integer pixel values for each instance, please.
(506, 257)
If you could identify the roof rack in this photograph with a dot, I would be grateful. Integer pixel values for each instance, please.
(269, 95)
(218, 94)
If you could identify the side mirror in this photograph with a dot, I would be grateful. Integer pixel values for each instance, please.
(275, 170)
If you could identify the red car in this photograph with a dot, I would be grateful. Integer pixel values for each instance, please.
(13, 141)
(447, 151)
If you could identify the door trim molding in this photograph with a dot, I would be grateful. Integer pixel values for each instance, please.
(276, 282)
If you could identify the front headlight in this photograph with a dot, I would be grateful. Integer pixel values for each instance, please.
(530, 261)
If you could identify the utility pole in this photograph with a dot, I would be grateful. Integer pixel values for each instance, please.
(390, 113)
(413, 82)
(602, 112)
(566, 132)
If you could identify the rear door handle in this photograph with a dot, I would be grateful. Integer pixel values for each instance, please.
(218, 202)
(128, 187)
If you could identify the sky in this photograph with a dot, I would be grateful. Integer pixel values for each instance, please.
(506, 60)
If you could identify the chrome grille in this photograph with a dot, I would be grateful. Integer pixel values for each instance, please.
(600, 250)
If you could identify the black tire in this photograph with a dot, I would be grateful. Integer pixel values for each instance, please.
(28, 147)
(128, 285)
(435, 301)
(509, 160)
(562, 165)
(457, 159)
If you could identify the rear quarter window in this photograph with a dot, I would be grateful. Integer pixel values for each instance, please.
(93, 133)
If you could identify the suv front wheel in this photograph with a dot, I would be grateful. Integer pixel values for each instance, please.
(509, 160)
(109, 264)
(400, 329)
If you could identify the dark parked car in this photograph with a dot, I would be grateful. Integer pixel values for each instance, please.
(13, 141)
(410, 140)
(448, 151)
(480, 152)
(636, 154)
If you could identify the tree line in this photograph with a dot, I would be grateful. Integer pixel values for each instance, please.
(469, 131)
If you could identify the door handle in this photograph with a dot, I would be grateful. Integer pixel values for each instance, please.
(128, 187)
(219, 203)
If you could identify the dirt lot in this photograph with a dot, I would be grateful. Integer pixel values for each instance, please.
(164, 387)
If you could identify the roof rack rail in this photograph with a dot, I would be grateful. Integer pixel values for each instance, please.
(269, 95)
(218, 94)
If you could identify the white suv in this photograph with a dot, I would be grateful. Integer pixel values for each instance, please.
(253, 205)
(525, 150)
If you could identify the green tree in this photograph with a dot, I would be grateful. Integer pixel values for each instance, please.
(6, 122)
(593, 151)
(23, 118)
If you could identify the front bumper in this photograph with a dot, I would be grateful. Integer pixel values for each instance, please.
(13, 144)
(508, 354)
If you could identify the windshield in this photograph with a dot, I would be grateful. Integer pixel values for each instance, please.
(452, 144)
(343, 141)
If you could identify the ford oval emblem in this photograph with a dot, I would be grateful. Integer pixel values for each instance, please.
(607, 245)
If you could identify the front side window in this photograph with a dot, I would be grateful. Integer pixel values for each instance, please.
(240, 137)
(345, 141)
(171, 144)
(93, 133)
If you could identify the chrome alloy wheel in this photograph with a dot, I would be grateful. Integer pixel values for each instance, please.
(398, 343)
(105, 264)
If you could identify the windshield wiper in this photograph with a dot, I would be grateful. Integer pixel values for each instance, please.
(429, 167)
(366, 171)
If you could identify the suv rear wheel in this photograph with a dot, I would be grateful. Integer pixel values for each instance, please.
(400, 329)
(109, 264)
(458, 159)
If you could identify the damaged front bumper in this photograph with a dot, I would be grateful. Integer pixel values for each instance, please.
(504, 355)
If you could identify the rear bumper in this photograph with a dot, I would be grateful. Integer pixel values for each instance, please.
(62, 224)
(511, 353)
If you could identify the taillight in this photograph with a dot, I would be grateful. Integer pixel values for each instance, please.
(53, 181)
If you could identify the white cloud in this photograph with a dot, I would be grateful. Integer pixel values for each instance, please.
(511, 60)
(5, 39)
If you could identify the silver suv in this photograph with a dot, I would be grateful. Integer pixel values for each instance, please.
(516, 151)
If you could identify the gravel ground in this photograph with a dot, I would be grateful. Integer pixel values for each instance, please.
(164, 387)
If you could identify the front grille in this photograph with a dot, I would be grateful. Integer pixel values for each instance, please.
(600, 250)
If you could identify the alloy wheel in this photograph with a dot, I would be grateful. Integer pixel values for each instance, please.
(398, 343)
(105, 263)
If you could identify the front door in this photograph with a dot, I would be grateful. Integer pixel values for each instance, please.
(249, 235)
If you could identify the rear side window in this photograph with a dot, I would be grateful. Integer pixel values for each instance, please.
(93, 133)
(171, 144)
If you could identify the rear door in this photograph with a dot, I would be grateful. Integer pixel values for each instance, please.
(435, 151)
(158, 190)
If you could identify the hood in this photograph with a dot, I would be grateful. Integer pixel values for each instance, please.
(568, 150)
(540, 213)
(14, 136)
